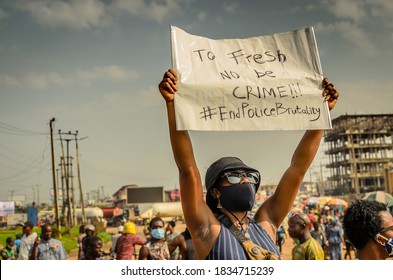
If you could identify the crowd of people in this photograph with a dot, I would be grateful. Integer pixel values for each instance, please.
(364, 229)
(220, 226)
(161, 242)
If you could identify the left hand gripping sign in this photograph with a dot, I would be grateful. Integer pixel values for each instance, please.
(270, 82)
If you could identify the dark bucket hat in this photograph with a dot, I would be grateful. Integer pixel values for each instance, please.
(216, 169)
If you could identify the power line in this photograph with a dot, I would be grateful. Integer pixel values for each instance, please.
(29, 166)
(13, 130)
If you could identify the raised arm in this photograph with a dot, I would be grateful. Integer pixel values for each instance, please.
(196, 213)
(275, 208)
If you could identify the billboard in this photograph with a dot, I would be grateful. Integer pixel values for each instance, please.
(145, 195)
(7, 207)
(59, 194)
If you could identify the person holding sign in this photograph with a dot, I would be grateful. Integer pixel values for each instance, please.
(220, 227)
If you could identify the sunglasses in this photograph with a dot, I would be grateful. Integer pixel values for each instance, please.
(386, 229)
(236, 177)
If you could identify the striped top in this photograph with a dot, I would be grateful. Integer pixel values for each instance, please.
(228, 248)
(309, 250)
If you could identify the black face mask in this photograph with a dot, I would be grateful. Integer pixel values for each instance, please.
(239, 197)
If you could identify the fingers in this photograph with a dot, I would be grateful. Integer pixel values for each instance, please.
(171, 74)
(325, 82)
(169, 82)
(329, 93)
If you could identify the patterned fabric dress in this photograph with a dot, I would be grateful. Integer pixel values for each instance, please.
(158, 250)
(309, 250)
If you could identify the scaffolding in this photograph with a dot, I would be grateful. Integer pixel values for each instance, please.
(360, 151)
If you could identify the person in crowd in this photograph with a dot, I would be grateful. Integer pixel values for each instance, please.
(280, 238)
(17, 241)
(146, 229)
(335, 238)
(90, 230)
(308, 248)
(27, 241)
(115, 237)
(48, 248)
(348, 248)
(125, 245)
(171, 234)
(93, 248)
(318, 234)
(231, 186)
(369, 227)
(82, 234)
(9, 251)
(157, 247)
(184, 243)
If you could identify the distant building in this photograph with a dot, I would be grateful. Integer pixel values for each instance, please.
(119, 198)
(360, 150)
(129, 196)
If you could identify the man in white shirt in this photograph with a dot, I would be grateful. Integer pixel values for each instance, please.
(27, 241)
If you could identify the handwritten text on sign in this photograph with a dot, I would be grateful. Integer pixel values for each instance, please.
(262, 83)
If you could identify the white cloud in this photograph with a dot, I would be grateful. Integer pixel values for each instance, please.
(73, 14)
(382, 9)
(351, 32)
(231, 7)
(202, 16)
(9, 81)
(361, 11)
(40, 81)
(348, 9)
(154, 10)
(3, 15)
(87, 14)
(108, 73)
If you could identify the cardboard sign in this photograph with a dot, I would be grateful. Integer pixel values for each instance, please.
(270, 82)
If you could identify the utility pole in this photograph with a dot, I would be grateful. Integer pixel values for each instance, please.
(64, 206)
(55, 185)
(103, 194)
(70, 199)
(73, 201)
(74, 221)
(79, 180)
(65, 172)
(12, 195)
(38, 195)
(33, 188)
(98, 196)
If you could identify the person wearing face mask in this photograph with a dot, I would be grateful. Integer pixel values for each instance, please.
(157, 247)
(369, 227)
(231, 187)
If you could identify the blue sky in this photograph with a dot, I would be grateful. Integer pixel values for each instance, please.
(94, 65)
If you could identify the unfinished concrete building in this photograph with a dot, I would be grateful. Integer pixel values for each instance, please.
(360, 151)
